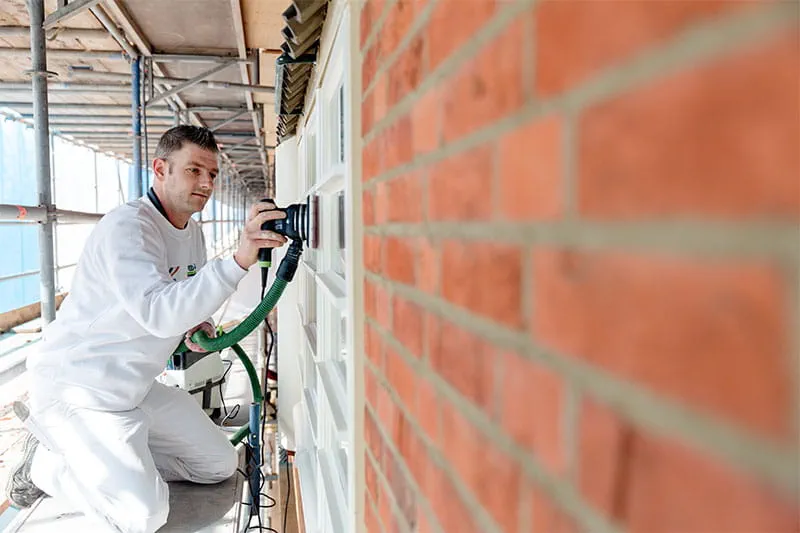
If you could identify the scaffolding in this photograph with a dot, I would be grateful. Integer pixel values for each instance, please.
(157, 102)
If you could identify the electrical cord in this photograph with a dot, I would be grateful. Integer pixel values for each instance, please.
(228, 415)
(288, 490)
(259, 526)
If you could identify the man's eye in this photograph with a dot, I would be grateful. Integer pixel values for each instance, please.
(213, 177)
(194, 170)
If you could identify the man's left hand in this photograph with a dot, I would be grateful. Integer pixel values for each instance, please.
(208, 327)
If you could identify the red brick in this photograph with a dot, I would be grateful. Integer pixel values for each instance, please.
(380, 95)
(388, 413)
(370, 161)
(451, 511)
(547, 516)
(385, 510)
(407, 325)
(367, 113)
(374, 346)
(416, 457)
(406, 72)
(371, 518)
(424, 525)
(451, 25)
(576, 40)
(682, 147)
(372, 438)
(531, 171)
(400, 488)
(383, 304)
(410, 448)
(381, 202)
(397, 144)
(370, 307)
(401, 377)
(368, 203)
(400, 260)
(426, 121)
(603, 444)
(494, 479)
(485, 278)
(371, 382)
(397, 24)
(718, 498)
(428, 265)
(532, 412)
(404, 198)
(370, 477)
(427, 410)
(369, 17)
(463, 360)
(672, 324)
(488, 88)
(459, 186)
(373, 253)
(368, 67)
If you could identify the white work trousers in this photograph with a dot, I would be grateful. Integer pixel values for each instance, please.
(113, 465)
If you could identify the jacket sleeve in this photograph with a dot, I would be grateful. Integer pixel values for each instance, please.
(135, 260)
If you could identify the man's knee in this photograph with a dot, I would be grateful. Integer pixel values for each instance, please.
(150, 511)
(228, 463)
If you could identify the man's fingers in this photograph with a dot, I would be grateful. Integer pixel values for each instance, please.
(270, 235)
(268, 215)
(268, 243)
(260, 206)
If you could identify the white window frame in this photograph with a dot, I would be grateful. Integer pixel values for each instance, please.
(331, 468)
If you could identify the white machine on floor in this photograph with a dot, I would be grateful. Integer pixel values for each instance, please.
(200, 373)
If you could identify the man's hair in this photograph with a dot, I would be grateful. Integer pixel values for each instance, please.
(173, 140)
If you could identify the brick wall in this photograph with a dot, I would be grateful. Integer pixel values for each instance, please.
(581, 255)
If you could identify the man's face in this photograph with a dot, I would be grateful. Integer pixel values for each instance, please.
(189, 175)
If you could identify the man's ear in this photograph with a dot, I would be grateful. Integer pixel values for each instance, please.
(160, 168)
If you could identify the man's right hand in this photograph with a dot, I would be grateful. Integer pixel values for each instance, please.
(254, 238)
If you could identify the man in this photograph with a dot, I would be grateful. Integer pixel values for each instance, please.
(110, 436)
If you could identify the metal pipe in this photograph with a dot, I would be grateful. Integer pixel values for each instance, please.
(135, 187)
(47, 283)
(212, 108)
(74, 105)
(60, 53)
(112, 28)
(65, 87)
(67, 12)
(22, 213)
(199, 58)
(229, 120)
(32, 273)
(66, 33)
(27, 213)
(76, 217)
(100, 119)
(191, 82)
(114, 76)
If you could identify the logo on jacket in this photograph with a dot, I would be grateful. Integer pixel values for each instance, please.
(173, 271)
(191, 270)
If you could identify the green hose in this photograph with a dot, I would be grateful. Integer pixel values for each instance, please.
(226, 340)
(240, 434)
(251, 372)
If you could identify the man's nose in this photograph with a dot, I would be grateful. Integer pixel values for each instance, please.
(206, 181)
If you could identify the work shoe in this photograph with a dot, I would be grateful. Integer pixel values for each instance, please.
(20, 490)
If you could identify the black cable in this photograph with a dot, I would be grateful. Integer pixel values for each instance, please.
(258, 462)
(233, 412)
(288, 493)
